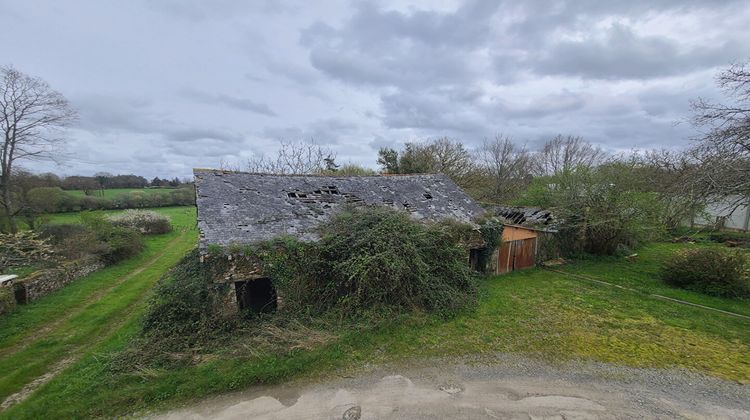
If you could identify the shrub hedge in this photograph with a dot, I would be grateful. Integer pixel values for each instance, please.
(717, 272)
(56, 200)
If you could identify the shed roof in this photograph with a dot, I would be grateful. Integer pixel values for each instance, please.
(533, 217)
(236, 207)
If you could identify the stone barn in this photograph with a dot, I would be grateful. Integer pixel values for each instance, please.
(237, 208)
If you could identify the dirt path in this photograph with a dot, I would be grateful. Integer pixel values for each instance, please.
(502, 388)
(76, 353)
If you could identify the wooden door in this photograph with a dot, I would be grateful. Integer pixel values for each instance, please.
(516, 255)
(524, 254)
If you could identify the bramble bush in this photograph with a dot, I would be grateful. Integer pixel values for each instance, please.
(119, 243)
(378, 257)
(144, 221)
(717, 272)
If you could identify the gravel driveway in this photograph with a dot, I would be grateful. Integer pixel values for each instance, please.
(503, 387)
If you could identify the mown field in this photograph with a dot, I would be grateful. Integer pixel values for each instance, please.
(544, 314)
(114, 192)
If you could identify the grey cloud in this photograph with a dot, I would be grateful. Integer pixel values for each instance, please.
(99, 112)
(197, 10)
(324, 132)
(390, 48)
(242, 104)
(622, 54)
(360, 75)
(430, 112)
(190, 134)
(563, 102)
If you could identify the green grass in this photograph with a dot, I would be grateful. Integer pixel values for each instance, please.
(643, 274)
(114, 192)
(536, 312)
(91, 311)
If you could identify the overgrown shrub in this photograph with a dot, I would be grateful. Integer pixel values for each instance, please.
(58, 233)
(601, 211)
(717, 272)
(182, 303)
(119, 242)
(376, 257)
(73, 241)
(144, 221)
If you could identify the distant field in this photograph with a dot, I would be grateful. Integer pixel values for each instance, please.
(113, 192)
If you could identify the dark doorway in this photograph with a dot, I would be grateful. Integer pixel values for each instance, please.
(256, 296)
(20, 293)
(475, 257)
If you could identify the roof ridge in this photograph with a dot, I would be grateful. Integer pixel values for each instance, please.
(380, 175)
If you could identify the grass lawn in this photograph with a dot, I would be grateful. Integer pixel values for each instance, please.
(97, 309)
(113, 192)
(643, 275)
(536, 312)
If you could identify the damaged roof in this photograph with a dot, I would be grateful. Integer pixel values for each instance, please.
(236, 207)
(526, 216)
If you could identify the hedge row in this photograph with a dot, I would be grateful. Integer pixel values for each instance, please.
(56, 200)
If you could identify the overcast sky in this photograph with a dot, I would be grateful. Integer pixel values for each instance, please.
(163, 86)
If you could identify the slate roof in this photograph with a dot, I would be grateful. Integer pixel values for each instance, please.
(235, 207)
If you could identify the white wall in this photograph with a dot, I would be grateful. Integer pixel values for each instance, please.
(737, 219)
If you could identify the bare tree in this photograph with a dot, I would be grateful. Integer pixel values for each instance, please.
(563, 153)
(295, 158)
(506, 166)
(31, 116)
(723, 149)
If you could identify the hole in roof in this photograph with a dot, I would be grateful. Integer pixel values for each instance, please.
(330, 189)
(427, 196)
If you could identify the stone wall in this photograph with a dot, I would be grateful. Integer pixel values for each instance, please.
(44, 282)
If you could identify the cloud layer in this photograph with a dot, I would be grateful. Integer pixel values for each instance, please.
(163, 86)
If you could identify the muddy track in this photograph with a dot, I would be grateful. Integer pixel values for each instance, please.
(37, 334)
(503, 386)
(77, 353)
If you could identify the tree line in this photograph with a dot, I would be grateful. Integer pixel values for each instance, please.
(642, 191)
(90, 185)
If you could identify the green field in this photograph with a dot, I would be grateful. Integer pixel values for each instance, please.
(114, 192)
(543, 314)
(70, 324)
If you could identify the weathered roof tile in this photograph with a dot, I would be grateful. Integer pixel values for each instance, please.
(235, 207)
